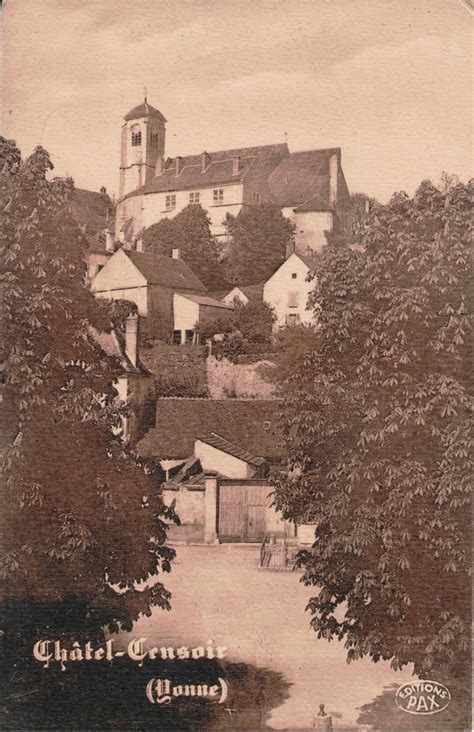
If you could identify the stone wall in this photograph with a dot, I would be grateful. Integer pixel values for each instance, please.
(227, 380)
(178, 370)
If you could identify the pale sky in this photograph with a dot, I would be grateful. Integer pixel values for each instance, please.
(388, 81)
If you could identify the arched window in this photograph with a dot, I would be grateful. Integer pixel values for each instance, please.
(136, 136)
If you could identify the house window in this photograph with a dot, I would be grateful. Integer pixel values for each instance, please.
(292, 299)
(189, 335)
(136, 136)
(256, 199)
(218, 195)
(293, 276)
(176, 337)
(154, 139)
(194, 197)
(292, 319)
(170, 202)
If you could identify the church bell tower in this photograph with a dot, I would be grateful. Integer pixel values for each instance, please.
(143, 142)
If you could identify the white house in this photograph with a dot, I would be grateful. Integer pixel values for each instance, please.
(150, 281)
(287, 291)
(190, 310)
(309, 187)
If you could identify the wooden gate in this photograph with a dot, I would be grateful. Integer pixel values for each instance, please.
(242, 512)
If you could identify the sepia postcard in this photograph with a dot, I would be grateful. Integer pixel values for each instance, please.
(236, 353)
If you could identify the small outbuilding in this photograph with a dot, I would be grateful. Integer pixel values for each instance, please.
(191, 310)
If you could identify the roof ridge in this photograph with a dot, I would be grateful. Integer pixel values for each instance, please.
(315, 149)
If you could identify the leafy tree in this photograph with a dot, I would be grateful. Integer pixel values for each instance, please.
(362, 205)
(291, 345)
(259, 239)
(77, 531)
(119, 310)
(254, 320)
(189, 231)
(376, 421)
(248, 324)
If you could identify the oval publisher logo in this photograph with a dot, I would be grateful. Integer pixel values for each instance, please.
(422, 697)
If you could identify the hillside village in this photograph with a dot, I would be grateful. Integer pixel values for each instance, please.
(197, 358)
(237, 409)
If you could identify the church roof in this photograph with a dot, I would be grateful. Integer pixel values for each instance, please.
(302, 180)
(254, 162)
(143, 110)
(160, 270)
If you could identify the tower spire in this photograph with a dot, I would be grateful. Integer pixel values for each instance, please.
(145, 93)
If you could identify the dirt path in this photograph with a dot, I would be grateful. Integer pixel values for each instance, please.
(219, 594)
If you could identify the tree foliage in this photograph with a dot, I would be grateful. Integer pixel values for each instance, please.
(259, 239)
(76, 526)
(119, 310)
(376, 420)
(362, 205)
(253, 320)
(190, 232)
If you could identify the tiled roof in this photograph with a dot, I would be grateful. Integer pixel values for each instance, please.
(253, 292)
(309, 261)
(179, 422)
(93, 211)
(210, 301)
(302, 178)
(219, 169)
(315, 203)
(142, 110)
(161, 270)
(113, 344)
(194, 481)
(220, 443)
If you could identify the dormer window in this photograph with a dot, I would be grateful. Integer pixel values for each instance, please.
(136, 136)
(194, 197)
(267, 424)
(218, 195)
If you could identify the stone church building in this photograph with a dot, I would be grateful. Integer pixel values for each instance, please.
(309, 187)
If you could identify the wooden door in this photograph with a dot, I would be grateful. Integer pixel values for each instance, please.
(231, 512)
(242, 512)
(256, 502)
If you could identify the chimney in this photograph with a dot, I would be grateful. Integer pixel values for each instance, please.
(160, 166)
(179, 164)
(333, 178)
(235, 166)
(205, 160)
(131, 338)
(175, 254)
